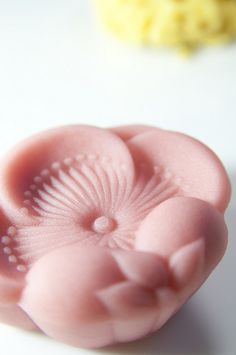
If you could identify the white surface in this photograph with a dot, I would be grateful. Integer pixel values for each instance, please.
(55, 68)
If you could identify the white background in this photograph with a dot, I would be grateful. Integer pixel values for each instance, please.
(58, 67)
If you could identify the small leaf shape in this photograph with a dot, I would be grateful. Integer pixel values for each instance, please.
(126, 297)
(187, 263)
(145, 269)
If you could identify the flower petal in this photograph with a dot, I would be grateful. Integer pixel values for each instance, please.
(64, 303)
(31, 163)
(86, 289)
(191, 236)
(86, 300)
(172, 231)
(185, 161)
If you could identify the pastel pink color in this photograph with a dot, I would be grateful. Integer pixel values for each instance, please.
(106, 233)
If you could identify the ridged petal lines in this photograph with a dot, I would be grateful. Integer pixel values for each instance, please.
(70, 198)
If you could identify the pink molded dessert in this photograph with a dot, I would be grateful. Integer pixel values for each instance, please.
(105, 233)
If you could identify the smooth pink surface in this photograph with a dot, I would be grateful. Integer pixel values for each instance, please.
(105, 233)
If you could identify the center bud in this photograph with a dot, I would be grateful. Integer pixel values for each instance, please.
(104, 225)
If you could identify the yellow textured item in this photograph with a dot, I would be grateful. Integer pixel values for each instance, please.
(181, 23)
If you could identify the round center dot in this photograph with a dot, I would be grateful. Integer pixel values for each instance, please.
(103, 225)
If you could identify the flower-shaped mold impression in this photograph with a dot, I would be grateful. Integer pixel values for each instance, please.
(105, 233)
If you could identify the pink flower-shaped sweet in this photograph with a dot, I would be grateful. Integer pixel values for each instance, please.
(105, 233)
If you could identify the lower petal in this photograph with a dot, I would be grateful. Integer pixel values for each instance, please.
(90, 297)
(187, 232)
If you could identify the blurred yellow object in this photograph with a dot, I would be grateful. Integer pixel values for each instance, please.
(185, 24)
